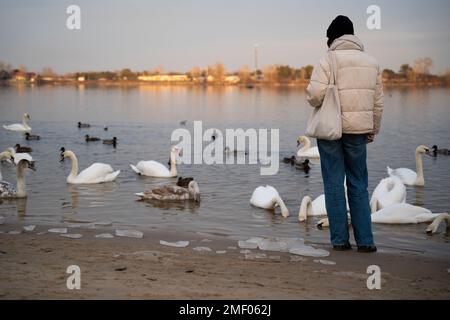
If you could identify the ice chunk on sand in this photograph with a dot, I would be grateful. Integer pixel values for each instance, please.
(104, 236)
(72, 235)
(29, 228)
(298, 259)
(206, 240)
(245, 251)
(178, 244)
(221, 251)
(251, 243)
(201, 249)
(325, 262)
(309, 251)
(254, 256)
(232, 248)
(129, 234)
(14, 232)
(280, 244)
(58, 230)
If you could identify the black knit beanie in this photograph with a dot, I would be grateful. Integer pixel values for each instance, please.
(341, 25)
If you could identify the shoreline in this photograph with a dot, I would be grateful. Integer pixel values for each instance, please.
(132, 83)
(33, 266)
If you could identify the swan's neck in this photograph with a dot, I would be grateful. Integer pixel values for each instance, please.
(305, 207)
(374, 205)
(25, 121)
(21, 192)
(74, 170)
(284, 209)
(306, 146)
(173, 164)
(419, 168)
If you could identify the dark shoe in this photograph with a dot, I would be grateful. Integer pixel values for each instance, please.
(342, 247)
(367, 249)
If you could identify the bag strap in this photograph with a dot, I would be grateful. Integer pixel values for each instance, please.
(333, 67)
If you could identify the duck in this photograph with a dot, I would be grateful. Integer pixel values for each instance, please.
(29, 136)
(307, 151)
(112, 141)
(408, 176)
(268, 198)
(91, 139)
(155, 169)
(7, 190)
(105, 129)
(290, 160)
(433, 227)
(183, 123)
(184, 182)
(389, 191)
(20, 149)
(214, 136)
(22, 127)
(303, 165)
(83, 125)
(172, 193)
(96, 173)
(435, 151)
(399, 213)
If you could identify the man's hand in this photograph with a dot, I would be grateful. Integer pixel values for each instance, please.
(370, 137)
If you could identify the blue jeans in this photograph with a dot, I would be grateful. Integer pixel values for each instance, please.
(342, 158)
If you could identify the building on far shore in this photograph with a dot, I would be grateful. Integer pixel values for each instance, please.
(164, 78)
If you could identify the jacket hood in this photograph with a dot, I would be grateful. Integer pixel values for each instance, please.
(347, 42)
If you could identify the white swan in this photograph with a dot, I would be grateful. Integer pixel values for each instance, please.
(408, 176)
(22, 127)
(400, 213)
(433, 227)
(156, 169)
(172, 193)
(312, 208)
(388, 192)
(268, 198)
(307, 151)
(96, 173)
(7, 190)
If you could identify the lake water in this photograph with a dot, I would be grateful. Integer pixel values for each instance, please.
(143, 118)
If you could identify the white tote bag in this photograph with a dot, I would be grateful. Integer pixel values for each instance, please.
(325, 121)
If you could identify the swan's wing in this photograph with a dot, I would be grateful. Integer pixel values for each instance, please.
(318, 206)
(17, 127)
(112, 176)
(7, 189)
(400, 214)
(152, 168)
(263, 197)
(22, 156)
(407, 176)
(96, 172)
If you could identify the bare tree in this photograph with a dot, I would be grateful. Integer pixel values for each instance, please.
(422, 66)
(244, 74)
(270, 74)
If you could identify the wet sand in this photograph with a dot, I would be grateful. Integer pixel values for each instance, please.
(33, 266)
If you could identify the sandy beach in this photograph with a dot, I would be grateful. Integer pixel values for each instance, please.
(33, 266)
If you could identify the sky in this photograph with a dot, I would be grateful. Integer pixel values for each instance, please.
(178, 35)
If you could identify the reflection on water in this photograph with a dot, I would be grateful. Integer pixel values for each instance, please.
(143, 118)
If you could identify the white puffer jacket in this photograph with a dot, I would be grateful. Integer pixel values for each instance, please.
(359, 82)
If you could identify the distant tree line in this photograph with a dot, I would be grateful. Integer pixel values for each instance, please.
(419, 72)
